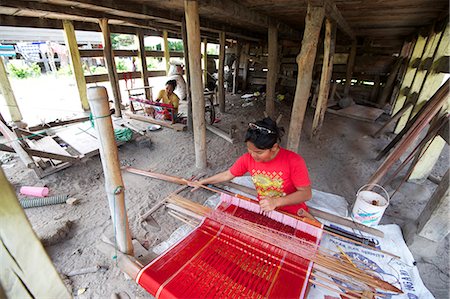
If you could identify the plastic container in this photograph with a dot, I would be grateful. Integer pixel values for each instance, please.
(34, 191)
(369, 205)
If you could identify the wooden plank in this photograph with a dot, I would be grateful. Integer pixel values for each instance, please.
(176, 126)
(387, 89)
(121, 76)
(221, 72)
(333, 13)
(325, 79)
(272, 65)
(13, 141)
(220, 133)
(129, 53)
(358, 112)
(75, 62)
(57, 123)
(8, 94)
(198, 100)
(83, 138)
(26, 268)
(166, 51)
(111, 66)
(49, 145)
(305, 61)
(42, 154)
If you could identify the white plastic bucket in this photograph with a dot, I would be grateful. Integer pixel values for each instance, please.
(370, 206)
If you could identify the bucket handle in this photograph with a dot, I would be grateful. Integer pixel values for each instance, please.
(375, 185)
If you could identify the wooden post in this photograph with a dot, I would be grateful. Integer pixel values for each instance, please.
(205, 63)
(387, 90)
(433, 221)
(166, 51)
(75, 62)
(305, 61)
(186, 69)
(114, 187)
(245, 67)
(221, 72)
(8, 94)
(143, 62)
(325, 79)
(350, 65)
(111, 66)
(195, 70)
(272, 74)
(236, 68)
(375, 88)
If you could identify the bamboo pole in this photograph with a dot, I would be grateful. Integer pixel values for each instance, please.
(236, 67)
(188, 77)
(198, 100)
(98, 100)
(111, 66)
(8, 94)
(75, 62)
(221, 72)
(205, 63)
(325, 79)
(305, 61)
(350, 65)
(143, 62)
(166, 51)
(272, 69)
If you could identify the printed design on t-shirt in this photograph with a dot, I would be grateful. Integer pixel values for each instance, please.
(268, 183)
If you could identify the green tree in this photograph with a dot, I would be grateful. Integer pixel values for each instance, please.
(176, 46)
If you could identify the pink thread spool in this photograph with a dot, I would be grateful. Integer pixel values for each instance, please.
(34, 191)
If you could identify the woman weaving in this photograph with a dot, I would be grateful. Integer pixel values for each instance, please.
(280, 176)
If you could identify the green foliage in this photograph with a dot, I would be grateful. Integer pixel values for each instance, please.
(176, 46)
(24, 71)
(121, 65)
(65, 71)
(96, 70)
(119, 41)
(154, 63)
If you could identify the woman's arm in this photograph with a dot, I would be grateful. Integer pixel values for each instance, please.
(218, 178)
(302, 194)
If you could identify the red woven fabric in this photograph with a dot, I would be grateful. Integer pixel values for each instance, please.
(217, 261)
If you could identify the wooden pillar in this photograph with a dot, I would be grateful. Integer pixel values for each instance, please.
(143, 62)
(111, 66)
(350, 65)
(272, 65)
(114, 187)
(245, 67)
(186, 69)
(205, 62)
(166, 51)
(387, 90)
(375, 89)
(236, 68)
(221, 72)
(75, 62)
(8, 94)
(305, 61)
(195, 70)
(27, 271)
(325, 79)
(433, 221)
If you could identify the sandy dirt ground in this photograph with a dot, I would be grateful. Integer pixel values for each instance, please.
(340, 161)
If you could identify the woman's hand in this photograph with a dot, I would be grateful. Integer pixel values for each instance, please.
(194, 184)
(268, 203)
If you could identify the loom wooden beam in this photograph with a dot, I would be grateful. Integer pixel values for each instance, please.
(187, 72)
(305, 62)
(272, 65)
(115, 191)
(350, 66)
(8, 94)
(166, 51)
(221, 72)
(236, 67)
(198, 100)
(111, 66)
(433, 221)
(75, 62)
(325, 79)
(143, 62)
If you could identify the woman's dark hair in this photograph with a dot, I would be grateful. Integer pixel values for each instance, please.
(173, 83)
(264, 133)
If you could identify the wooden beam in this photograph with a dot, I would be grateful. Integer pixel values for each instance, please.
(111, 66)
(42, 154)
(245, 66)
(350, 66)
(433, 221)
(143, 63)
(166, 51)
(121, 76)
(75, 62)
(272, 65)
(220, 133)
(115, 190)
(205, 63)
(236, 68)
(13, 141)
(333, 13)
(188, 75)
(325, 79)
(221, 72)
(387, 89)
(8, 94)
(305, 61)
(393, 119)
(198, 100)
